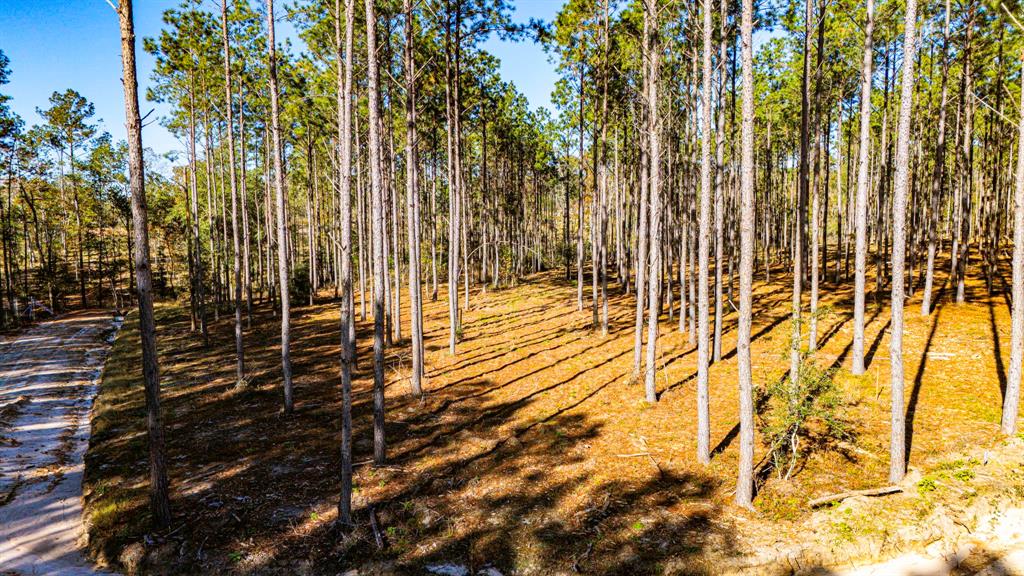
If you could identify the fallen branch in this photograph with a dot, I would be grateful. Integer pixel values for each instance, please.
(643, 444)
(376, 530)
(818, 502)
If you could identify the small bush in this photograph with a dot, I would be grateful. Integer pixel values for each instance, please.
(964, 475)
(926, 485)
(844, 532)
(797, 418)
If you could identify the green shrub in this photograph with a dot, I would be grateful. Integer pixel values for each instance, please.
(964, 475)
(926, 485)
(798, 418)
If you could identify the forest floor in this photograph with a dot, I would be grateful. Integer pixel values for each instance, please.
(533, 452)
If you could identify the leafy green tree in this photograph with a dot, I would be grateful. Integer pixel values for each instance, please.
(68, 120)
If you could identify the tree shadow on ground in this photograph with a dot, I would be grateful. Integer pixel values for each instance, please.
(997, 350)
(493, 466)
(915, 393)
(472, 479)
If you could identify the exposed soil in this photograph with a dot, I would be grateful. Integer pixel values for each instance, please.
(532, 451)
(48, 377)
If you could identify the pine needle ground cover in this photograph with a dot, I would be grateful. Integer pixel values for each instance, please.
(532, 450)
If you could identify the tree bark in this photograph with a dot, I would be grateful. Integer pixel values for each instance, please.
(158, 487)
(938, 174)
(642, 235)
(236, 249)
(377, 234)
(716, 349)
(795, 353)
(654, 220)
(704, 225)
(282, 206)
(344, 58)
(897, 446)
(863, 182)
(412, 193)
(1011, 399)
(745, 476)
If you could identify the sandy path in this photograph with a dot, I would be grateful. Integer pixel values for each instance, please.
(994, 548)
(48, 378)
(1007, 563)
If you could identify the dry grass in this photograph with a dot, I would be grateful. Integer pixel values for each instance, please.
(531, 451)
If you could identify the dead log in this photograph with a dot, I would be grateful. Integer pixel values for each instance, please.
(818, 502)
(376, 531)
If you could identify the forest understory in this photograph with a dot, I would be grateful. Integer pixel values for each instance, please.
(533, 450)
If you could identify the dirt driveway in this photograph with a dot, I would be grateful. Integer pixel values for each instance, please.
(48, 378)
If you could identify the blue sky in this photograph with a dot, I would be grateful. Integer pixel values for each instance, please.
(58, 44)
(525, 63)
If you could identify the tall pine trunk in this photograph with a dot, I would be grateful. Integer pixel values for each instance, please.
(1011, 399)
(703, 233)
(654, 219)
(413, 218)
(897, 446)
(158, 489)
(377, 233)
(863, 183)
(282, 207)
(716, 349)
(344, 58)
(236, 248)
(938, 174)
(642, 237)
(745, 476)
(801, 200)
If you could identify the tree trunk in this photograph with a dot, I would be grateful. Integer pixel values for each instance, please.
(938, 174)
(1011, 399)
(236, 249)
(158, 489)
(654, 220)
(897, 446)
(795, 354)
(246, 263)
(377, 227)
(642, 234)
(282, 206)
(412, 193)
(861, 210)
(579, 206)
(745, 477)
(716, 349)
(344, 55)
(704, 225)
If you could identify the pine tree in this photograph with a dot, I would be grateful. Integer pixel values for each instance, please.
(412, 199)
(1011, 398)
(237, 255)
(282, 210)
(158, 489)
(897, 446)
(863, 182)
(377, 234)
(703, 235)
(745, 476)
(344, 80)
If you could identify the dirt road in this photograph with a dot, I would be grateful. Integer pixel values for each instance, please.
(48, 378)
